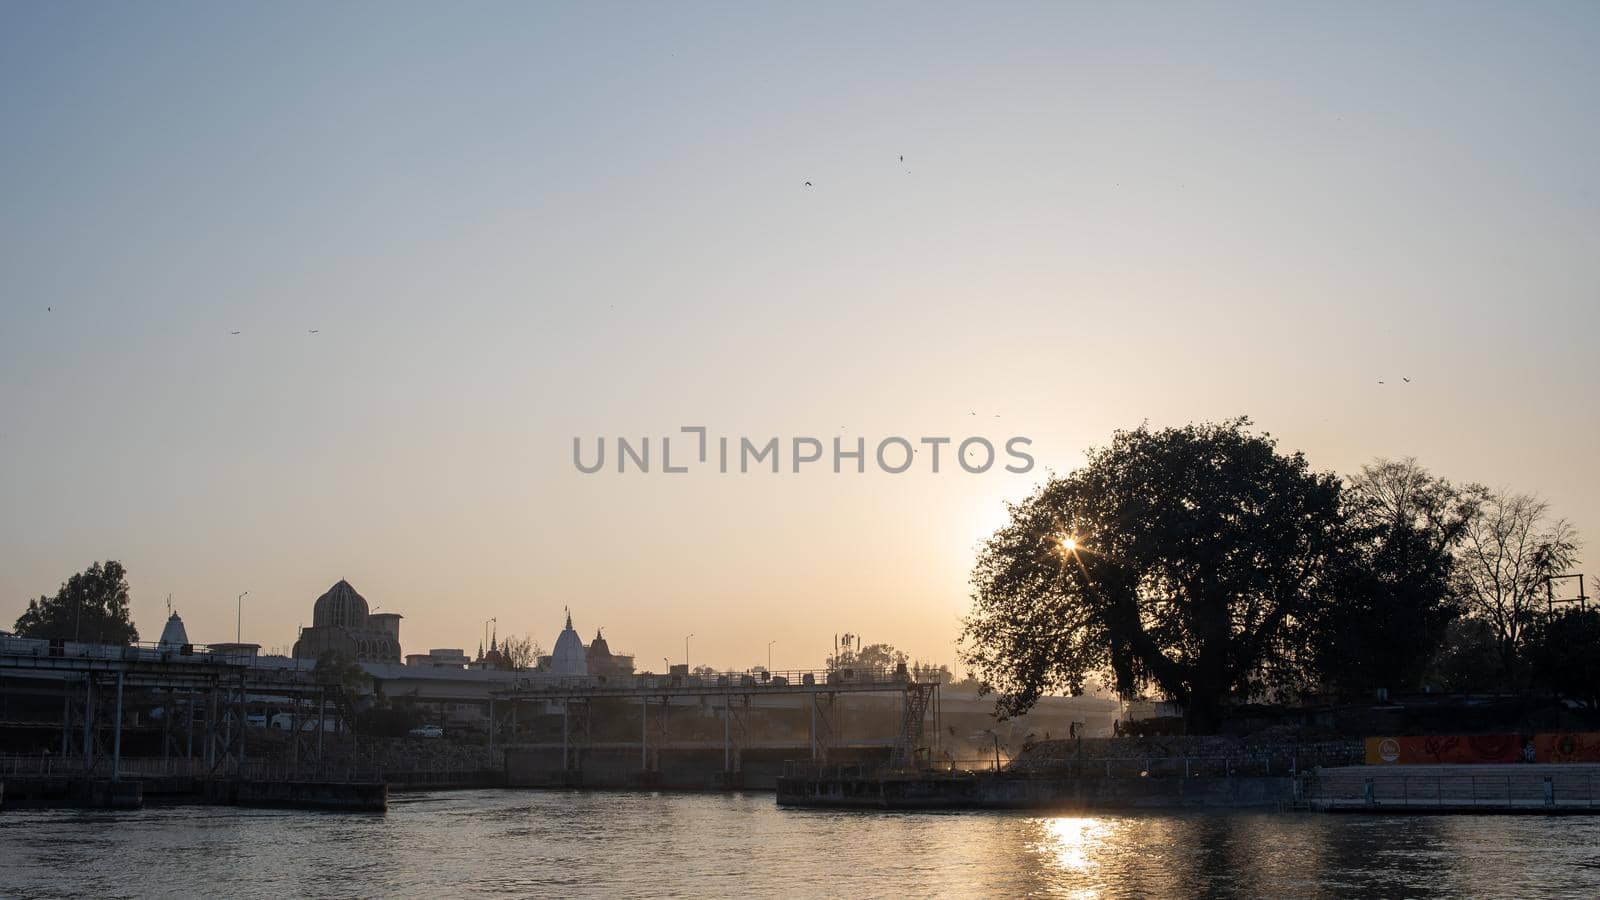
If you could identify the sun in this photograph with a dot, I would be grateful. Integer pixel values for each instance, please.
(1068, 543)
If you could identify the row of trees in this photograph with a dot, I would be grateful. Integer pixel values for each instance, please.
(1203, 562)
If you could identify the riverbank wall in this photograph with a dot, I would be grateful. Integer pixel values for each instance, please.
(688, 769)
(70, 791)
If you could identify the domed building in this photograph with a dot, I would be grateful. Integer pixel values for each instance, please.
(340, 607)
(341, 622)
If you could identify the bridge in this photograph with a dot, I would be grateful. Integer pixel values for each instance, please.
(203, 694)
(818, 689)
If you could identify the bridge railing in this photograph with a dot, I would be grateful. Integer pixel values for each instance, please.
(1458, 790)
(46, 648)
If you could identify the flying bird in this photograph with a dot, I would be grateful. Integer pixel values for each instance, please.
(1380, 382)
(49, 309)
(233, 332)
(902, 157)
(1406, 380)
(808, 184)
(311, 330)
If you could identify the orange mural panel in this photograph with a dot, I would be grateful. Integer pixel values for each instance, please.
(1456, 749)
(1571, 746)
(1445, 749)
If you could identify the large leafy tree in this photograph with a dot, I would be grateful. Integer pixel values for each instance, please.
(1396, 601)
(90, 606)
(1186, 558)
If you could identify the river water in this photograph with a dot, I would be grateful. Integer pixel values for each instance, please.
(559, 844)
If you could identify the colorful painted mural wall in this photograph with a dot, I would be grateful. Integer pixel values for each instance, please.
(1466, 749)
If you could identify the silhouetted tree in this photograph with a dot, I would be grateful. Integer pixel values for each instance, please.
(90, 606)
(1468, 659)
(1395, 601)
(342, 673)
(1195, 552)
(870, 657)
(1563, 653)
(1508, 552)
(521, 652)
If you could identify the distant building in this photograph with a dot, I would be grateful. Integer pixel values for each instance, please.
(174, 635)
(603, 662)
(341, 622)
(236, 651)
(571, 658)
(493, 658)
(439, 659)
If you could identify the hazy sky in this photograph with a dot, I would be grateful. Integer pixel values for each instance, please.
(513, 224)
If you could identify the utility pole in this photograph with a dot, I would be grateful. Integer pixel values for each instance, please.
(238, 625)
(1550, 591)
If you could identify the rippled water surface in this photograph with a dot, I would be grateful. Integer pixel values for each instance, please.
(509, 843)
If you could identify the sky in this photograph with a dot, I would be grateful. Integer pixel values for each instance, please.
(512, 225)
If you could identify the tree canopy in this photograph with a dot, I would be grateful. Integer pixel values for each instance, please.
(90, 606)
(1561, 650)
(1509, 552)
(1184, 557)
(521, 652)
(1395, 602)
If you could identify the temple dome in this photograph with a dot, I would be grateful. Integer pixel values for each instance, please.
(569, 657)
(598, 648)
(174, 635)
(340, 607)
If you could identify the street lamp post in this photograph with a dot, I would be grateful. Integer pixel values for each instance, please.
(238, 625)
(686, 650)
(769, 654)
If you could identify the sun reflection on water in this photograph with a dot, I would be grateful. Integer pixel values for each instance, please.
(1072, 843)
